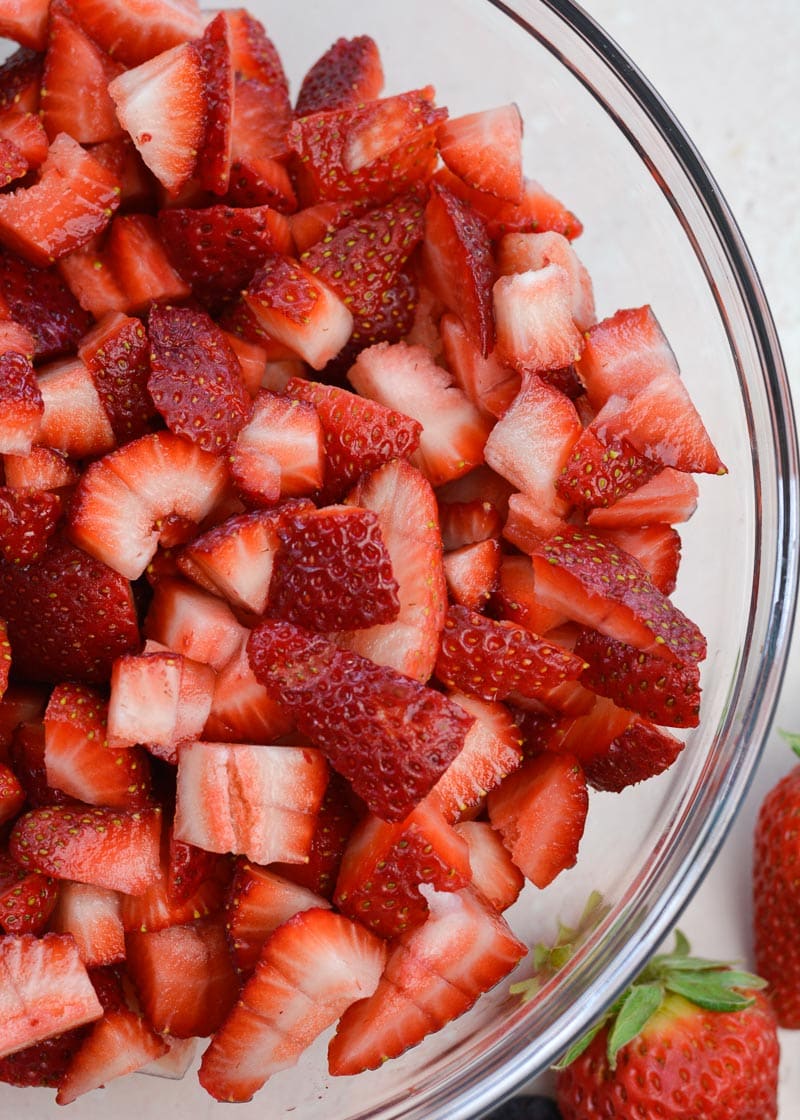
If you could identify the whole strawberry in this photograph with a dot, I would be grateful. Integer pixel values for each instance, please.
(776, 895)
(691, 1039)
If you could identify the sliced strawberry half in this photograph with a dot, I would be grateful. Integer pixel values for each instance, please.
(190, 621)
(74, 419)
(356, 712)
(668, 498)
(27, 898)
(485, 150)
(533, 316)
(348, 73)
(279, 452)
(120, 1043)
(623, 353)
(215, 48)
(657, 547)
(27, 522)
(640, 752)
(489, 383)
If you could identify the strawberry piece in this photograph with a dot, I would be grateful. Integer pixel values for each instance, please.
(161, 104)
(311, 969)
(45, 989)
(622, 354)
(332, 570)
(312, 223)
(136, 30)
(216, 57)
(492, 659)
(40, 300)
(495, 876)
(118, 1044)
(657, 547)
(375, 150)
(599, 473)
(360, 435)
(41, 470)
(26, 132)
(487, 381)
(348, 73)
(192, 622)
(72, 57)
(639, 752)
(669, 497)
(336, 820)
(516, 597)
(466, 523)
(472, 572)
(92, 279)
(73, 199)
(406, 508)
(26, 756)
(242, 709)
(294, 306)
(540, 812)
(74, 419)
(195, 379)
(603, 587)
(20, 703)
(117, 354)
(664, 692)
(458, 265)
(13, 164)
(485, 150)
(217, 250)
(384, 865)
(27, 898)
(78, 758)
(259, 801)
(539, 211)
(260, 900)
(140, 263)
(20, 79)
(110, 848)
(188, 868)
(256, 180)
(43, 1064)
(156, 908)
(25, 23)
(21, 404)
(122, 500)
(523, 252)
(390, 763)
(434, 973)
(533, 315)
(92, 916)
(27, 522)
(52, 608)
(278, 453)
(406, 379)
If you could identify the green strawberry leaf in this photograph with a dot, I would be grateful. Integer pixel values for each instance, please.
(583, 1042)
(638, 1007)
(793, 739)
(707, 993)
(548, 960)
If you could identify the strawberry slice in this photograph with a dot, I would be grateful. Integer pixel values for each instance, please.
(73, 199)
(217, 250)
(21, 404)
(657, 547)
(668, 498)
(390, 762)
(52, 607)
(311, 969)
(641, 751)
(140, 264)
(525, 252)
(348, 73)
(74, 419)
(195, 379)
(279, 452)
(156, 908)
(495, 876)
(337, 817)
(190, 621)
(538, 211)
(43, 1064)
(434, 973)
(27, 522)
(216, 57)
(27, 898)
(472, 573)
(110, 848)
(117, 354)
(91, 278)
(136, 30)
(540, 812)
(13, 164)
(469, 522)
(255, 56)
(256, 180)
(161, 105)
(261, 119)
(533, 315)
(516, 597)
(78, 759)
(485, 150)
(40, 300)
(25, 23)
(118, 1044)
(623, 353)
(242, 709)
(92, 916)
(46, 990)
(489, 383)
(72, 57)
(332, 570)
(603, 587)
(43, 469)
(598, 473)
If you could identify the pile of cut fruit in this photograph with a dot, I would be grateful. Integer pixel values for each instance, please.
(337, 540)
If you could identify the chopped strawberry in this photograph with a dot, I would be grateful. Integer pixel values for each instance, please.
(117, 354)
(135, 30)
(74, 419)
(466, 523)
(336, 819)
(407, 380)
(242, 709)
(260, 122)
(622, 354)
(110, 848)
(639, 752)
(73, 199)
(41, 470)
(26, 132)
(27, 522)
(407, 514)
(14, 337)
(657, 547)
(192, 622)
(434, 973)
(12, 794)
(311, 969)
(669, 497)
(140, 263)
(597, 473)
(43, 1064)
(121, 1042)
(21, 404)
(20, 79)
(485, 150)
(254, 53)
(538, 210)
(312, 223)
(260, 900)
(27, 898)
(40, 300)
(188, 868)
(489, 383)
(472, 572)
(279, 452)
(359, 434)
(332, 570)
(92, 279)
(72, 57)
(218, 249)
(494, 874)
(525, 252)
(26, 756)
(604, 587)
(348, 73)
(259, 801)
(13, 164)
(20, 703)
(161, 105)
(516, 597)
(378, 149)
(46, 990)
(195, 379)
(384, 865)
(257, 180)
(68, 615)
(665, 692)
(184, 977)
(158, 908)
(25, 22)
(390, 762)
(540, 812)
(92, 916)
(216, 57)
(533, 315)
(78, 759)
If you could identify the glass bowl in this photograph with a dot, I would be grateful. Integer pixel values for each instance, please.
(656, 231)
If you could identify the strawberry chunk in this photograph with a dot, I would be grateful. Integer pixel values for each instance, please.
(356, 712)
(68, 615)
(348, 73)
(117, 354)
(472, 573)
(92, 916)
(121, 1042)
(669, 497)
(136, 30)
(622, 354)
(26, 133)
(40, 300)
(657, 547)
(190, 621)
(195, 379)
(20, 79)
(335, 822)
(42, 469)
(485, 150)
(279, 452)
(43, 1064)
(488, 382)
(538, 211)
(599, 473)
(495, 876)
(74, 419)
(27, 522)
(533, 315)
(332, 570)
(639, 752)
(27, 898)
(21, 404)
(140, 264)
(156, 908)
(13, 164)
(216, 57)
(25, 23)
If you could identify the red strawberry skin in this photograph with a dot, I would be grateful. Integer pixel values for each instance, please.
(350, 71)
(390, 736)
